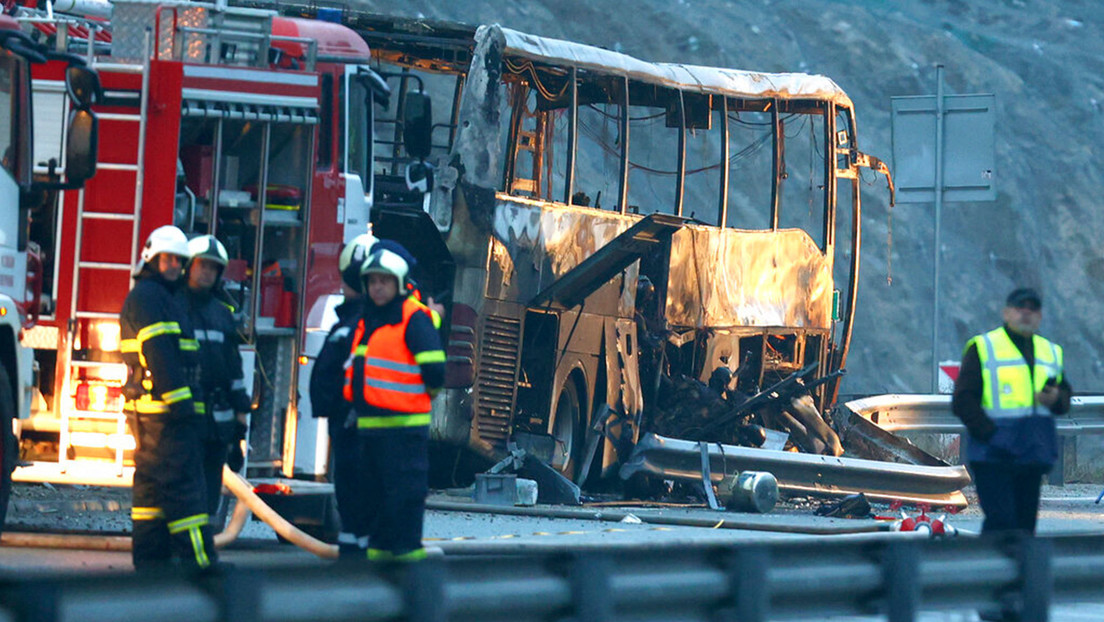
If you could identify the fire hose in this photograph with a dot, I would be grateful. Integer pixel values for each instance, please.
(248, 502)
(248, 499)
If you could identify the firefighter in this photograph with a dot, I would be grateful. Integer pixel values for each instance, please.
(169, 509)
(220, 365)
(327, 377)
(1010, 384)
(396, 364)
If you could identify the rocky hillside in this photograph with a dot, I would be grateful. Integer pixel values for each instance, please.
(1042, 58)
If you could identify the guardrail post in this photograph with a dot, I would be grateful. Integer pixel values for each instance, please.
(748, 584)
(1067, 446)
(901, 576)
(424, 591)
(590, 587)
(1036, 578)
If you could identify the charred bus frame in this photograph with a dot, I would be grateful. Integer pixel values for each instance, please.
(550, 202)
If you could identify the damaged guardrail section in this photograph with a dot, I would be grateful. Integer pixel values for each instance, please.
(932, 413)
(895, 577)
(888, 479)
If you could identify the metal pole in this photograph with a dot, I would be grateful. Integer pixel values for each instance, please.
(938, 218)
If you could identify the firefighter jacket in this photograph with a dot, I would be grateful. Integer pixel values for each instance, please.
(159, 350)
(995, 397)
(328, 374)
(220, 363)
(396, 364)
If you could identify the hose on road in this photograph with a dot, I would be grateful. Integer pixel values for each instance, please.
(248, 502)
(241, 489)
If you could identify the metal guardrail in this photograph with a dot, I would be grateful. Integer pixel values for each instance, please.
(804, 474)
(896, 577)
(932, 413)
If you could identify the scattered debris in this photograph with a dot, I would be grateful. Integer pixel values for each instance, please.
(724, 411)
(495, 488)
(552, 487)
(935, 528)
(750, 491)
(851, 506)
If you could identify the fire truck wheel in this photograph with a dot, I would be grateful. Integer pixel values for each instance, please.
(567, 429)
(7, 442)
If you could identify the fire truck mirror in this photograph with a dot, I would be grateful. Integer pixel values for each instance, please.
(83, 85)
(417, 125)
(80, 151)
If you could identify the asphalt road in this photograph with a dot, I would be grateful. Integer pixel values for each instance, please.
(1069, 509)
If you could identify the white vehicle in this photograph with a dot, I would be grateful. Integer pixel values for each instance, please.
(21, 192)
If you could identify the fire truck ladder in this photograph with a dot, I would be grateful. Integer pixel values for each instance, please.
(134, 168)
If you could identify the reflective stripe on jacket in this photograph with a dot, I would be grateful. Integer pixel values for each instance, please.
(159, 350)
(392, 377)
(220, 363)
(1008, 385)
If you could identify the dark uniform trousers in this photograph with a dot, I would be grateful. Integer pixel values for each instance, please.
(348, 487)
(1008, 494)
(394, 468)
(218, 437)
(169, 498)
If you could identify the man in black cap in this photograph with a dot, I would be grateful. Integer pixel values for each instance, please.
(1010, 384)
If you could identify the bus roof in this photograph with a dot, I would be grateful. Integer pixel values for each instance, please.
(710, 80)
(414, 38)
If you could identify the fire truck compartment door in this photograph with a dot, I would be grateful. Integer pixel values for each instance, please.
(595, 271)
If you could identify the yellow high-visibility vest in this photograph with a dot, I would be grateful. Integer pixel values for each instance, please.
(1008, 386)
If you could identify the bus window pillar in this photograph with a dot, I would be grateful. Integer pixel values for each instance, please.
(722, 217)
(680, 180)
(778, 166)
(623, 196)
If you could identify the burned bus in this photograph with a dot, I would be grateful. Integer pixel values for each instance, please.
(631, 253)
(616, 232)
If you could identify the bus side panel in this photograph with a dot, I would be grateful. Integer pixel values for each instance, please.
(748, 278)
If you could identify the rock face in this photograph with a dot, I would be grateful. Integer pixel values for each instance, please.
(1042, 58)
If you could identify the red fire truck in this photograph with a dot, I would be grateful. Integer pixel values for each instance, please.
(235, 122)
(22, 197)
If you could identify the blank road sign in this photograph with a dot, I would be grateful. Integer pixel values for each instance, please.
(969, 130)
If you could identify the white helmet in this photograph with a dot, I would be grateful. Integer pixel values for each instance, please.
(166, 239)
(352, 258)
(384, 261)
(208, 247)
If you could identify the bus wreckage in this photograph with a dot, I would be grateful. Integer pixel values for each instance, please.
(640, 260)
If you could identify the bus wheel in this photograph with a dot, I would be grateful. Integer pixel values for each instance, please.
(566, 426)
(7, 442)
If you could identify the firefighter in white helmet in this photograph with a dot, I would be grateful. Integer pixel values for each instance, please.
(395, 365)
(220, 365)
(169, 509)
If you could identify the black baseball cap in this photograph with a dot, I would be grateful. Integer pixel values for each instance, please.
(1024, 297)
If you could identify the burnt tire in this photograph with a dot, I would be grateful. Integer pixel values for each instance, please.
(7, 442)
(567, 429)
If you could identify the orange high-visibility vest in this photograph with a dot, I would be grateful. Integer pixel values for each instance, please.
(392, 378)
